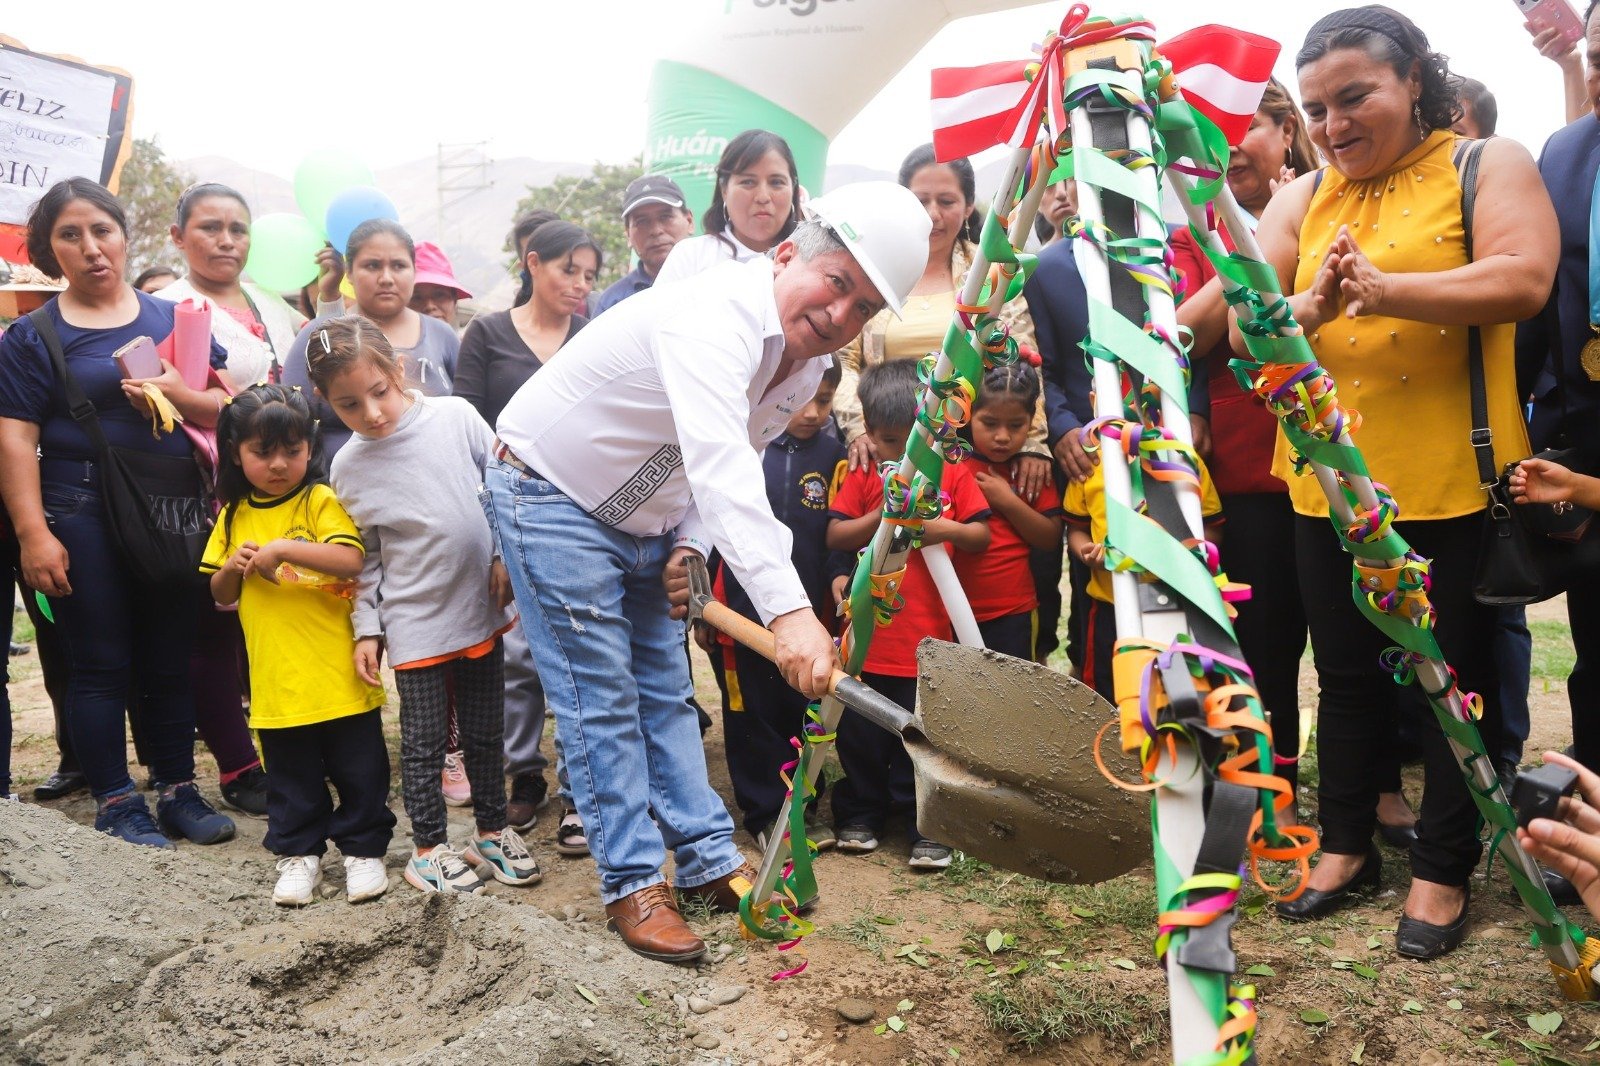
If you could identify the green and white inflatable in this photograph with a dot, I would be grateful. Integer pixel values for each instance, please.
(800, 68)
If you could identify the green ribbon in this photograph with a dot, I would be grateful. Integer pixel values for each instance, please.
(1154, 550)
(801, 880)
(1138, 349)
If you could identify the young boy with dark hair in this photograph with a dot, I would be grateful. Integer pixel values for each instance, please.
(803, 465)
(878, 777)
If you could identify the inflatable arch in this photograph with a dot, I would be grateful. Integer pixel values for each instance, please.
(800, 68)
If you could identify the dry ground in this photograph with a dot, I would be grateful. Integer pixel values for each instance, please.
(182, 958)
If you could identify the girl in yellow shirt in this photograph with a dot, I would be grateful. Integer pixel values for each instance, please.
(287, 553)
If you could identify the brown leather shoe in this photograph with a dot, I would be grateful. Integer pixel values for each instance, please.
(724, 893)
(649, 923)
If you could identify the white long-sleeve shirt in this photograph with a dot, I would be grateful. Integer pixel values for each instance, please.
(693, 255)
(654, 418)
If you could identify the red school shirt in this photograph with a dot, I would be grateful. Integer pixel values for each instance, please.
(998, 581)
(1243, 432)
(894, 647)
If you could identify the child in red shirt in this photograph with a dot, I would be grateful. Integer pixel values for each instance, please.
(999, 582)
(878, 777)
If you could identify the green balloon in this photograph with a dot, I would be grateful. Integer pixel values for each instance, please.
(324, 174)
(283, 252)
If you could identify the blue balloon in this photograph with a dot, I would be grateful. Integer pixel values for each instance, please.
(351, 208)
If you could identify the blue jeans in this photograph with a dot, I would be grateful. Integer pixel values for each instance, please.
(124, 642)
(613, 669)
(1513, 657)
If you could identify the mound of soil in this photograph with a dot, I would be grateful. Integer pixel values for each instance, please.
(127, 953)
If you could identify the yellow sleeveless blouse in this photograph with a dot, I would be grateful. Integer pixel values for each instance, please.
(1409, 380)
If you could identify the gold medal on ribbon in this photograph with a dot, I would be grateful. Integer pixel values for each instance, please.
(1590, 356)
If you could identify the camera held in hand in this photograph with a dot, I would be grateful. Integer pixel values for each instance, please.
(1537, 793)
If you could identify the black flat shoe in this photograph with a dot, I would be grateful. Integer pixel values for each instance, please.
(1314, 903)
(1398, 836)
(61, 783)
(1417, 939)
(1561, 890)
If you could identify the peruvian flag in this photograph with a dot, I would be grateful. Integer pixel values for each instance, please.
(971, 106)
(1223, 72)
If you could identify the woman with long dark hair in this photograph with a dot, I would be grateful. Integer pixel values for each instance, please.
(754, 208)
(1374, 254)
(382, 261)
(499, 352)
(122, 636)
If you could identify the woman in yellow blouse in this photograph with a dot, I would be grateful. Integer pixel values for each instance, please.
(949, 192)
(1385, 287)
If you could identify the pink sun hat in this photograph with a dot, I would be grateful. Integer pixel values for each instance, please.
(433, 268)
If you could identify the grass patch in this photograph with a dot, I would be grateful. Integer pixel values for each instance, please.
(866, 931)
(964, 869)
(22, 628)
(1037, 1012)
(697, 910)
(1553, 654)
(1127, 903)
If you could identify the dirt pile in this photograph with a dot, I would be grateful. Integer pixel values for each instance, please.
(143, 956)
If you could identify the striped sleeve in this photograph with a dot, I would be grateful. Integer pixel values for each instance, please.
(216, 553)
(330, 524)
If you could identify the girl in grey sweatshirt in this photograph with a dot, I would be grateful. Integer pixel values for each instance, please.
(432, 590)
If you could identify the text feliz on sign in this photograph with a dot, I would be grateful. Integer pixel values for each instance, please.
(17, 100)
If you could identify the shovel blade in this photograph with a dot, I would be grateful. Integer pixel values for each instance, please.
(1005, 768)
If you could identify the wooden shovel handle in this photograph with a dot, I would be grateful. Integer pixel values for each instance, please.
(858, 697)
(757, 638)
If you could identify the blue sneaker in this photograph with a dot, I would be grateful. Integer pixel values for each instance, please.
(130, 820)
(183, 812)
(504, 857)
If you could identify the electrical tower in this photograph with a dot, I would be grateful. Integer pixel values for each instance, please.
(463, 170)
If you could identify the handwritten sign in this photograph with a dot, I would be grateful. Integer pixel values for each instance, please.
(59, 118)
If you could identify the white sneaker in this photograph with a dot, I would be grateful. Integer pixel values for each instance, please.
(503, 856)
(442, 870)
(298, 878)
(364, 879)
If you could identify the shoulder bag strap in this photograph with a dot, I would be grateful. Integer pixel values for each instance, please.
(83, 412)
(1466, 158)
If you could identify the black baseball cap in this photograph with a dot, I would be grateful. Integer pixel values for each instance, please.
(652, 189)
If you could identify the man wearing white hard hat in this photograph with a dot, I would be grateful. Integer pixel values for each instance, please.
(640, 445)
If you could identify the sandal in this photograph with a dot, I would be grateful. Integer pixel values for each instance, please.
(570, 838)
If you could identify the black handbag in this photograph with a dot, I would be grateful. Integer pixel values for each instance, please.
(156, 506)
(1533, 551)
(1521, 558)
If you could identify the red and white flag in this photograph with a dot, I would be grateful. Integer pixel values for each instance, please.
(971, 106)
(1223, 72)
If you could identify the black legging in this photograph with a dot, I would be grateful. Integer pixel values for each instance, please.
(1258, 550)
(1358, 707)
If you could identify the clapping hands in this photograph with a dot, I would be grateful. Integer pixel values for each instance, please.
(1346, 277)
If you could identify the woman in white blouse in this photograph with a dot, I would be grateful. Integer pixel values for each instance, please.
(754, 208)
(253, 324)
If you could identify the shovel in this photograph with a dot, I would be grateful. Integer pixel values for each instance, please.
(1003, 755)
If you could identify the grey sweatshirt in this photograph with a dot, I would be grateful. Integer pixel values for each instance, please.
(415, 496)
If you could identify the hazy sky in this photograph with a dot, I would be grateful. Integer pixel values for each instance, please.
(263, 83)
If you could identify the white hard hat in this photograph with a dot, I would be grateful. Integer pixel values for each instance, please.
(885, 227)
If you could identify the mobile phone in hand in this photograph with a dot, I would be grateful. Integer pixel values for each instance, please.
(1544, 14)
(138, 359)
